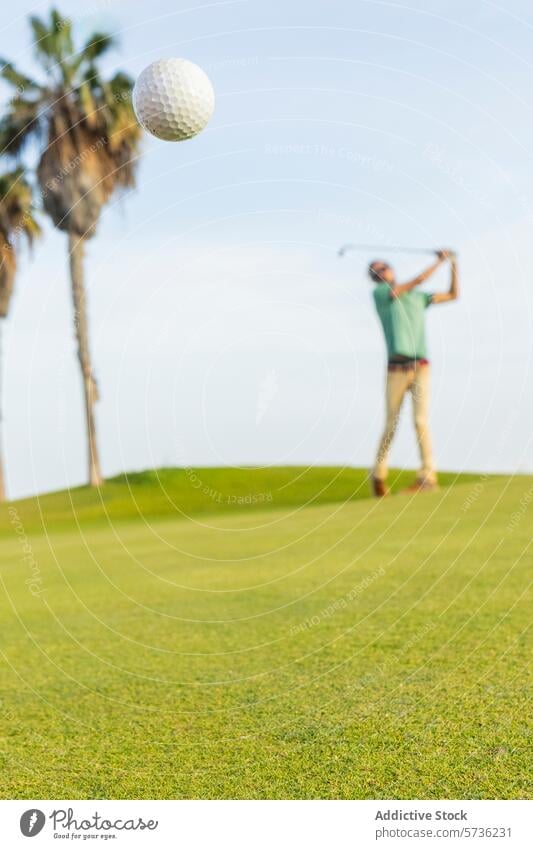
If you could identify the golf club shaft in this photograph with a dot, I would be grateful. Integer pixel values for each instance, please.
(386, 249)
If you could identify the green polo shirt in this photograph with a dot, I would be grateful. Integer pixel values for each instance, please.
(403, 321)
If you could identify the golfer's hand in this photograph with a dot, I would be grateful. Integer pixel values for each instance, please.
(445, 254)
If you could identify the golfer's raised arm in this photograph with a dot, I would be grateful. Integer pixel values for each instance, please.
(399, 288)
(453, 293)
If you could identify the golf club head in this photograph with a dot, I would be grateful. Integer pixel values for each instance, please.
(342, 250)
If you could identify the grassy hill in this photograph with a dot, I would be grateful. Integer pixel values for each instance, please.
(181, 493)
(319, 644)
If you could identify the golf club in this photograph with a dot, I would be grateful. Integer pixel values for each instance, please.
(386, 249)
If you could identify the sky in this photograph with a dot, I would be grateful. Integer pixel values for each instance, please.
(225, 330)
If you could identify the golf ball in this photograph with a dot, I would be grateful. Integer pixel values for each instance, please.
(173, 99)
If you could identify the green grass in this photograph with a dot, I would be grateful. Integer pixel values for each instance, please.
(316, 645)
(181, 493)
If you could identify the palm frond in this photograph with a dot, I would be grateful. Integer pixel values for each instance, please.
(20, 125)
(45, 42)
(15, 78)
(88, 105)
(17, 221)
(62, 29)
(17, 208)
(98, 44)
(54, 46)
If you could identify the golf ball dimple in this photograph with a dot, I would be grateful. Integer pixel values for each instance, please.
(173, 99)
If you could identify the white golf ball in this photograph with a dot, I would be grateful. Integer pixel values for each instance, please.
(173, 99)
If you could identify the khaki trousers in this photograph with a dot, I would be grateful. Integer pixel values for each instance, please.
(416, 381)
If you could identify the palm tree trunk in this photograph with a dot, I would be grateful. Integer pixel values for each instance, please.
(76, 252)
(2, 478)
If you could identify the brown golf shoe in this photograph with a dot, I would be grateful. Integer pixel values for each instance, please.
(379, 488)
(421, 486)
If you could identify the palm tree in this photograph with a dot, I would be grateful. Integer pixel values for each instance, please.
(88, 144)
(17, 221)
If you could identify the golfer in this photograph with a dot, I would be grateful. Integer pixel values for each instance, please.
(401, 310)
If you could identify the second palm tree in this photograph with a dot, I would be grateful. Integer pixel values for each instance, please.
(17, 221)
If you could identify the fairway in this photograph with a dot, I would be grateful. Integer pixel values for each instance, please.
(271, 634)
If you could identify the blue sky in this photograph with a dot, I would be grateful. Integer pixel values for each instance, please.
(224, 328)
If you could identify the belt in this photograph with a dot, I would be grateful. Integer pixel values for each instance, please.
(406, 365)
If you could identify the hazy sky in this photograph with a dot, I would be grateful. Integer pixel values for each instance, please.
(225, 330)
